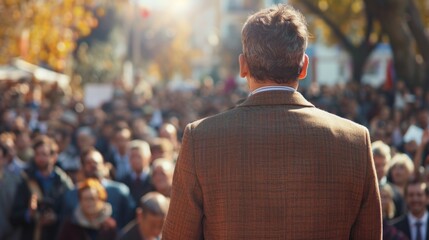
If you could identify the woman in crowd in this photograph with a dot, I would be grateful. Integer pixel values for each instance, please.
(401, 170)
(388, 211)
(92, 218)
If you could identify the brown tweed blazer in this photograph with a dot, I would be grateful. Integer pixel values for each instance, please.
(274, 167)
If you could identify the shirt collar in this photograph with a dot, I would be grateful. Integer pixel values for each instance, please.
(142, 176)
(413, 219)
(272, 88)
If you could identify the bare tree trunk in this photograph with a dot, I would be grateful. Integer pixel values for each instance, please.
(422, 41)
(392, 17)
(359, 53)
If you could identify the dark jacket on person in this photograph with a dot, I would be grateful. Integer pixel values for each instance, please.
(139, 187)
(392, 233)
(52, 190)
(402, 224)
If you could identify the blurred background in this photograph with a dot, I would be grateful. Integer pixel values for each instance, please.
(100, 74)
(100, 41)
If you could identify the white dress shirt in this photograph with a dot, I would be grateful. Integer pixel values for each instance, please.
(272, 88)
(142, 176)
(412, 221)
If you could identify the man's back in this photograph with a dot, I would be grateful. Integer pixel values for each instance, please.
(275, 167)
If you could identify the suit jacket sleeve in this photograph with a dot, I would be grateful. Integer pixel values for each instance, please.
(185, 215)
(368, 224)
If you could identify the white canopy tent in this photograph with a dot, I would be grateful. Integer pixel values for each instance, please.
(20, 69)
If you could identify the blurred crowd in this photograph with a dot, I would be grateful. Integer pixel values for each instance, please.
(72, 172)
(397, 119)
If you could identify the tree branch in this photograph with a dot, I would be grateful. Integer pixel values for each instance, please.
(332, 25)
(418, 30)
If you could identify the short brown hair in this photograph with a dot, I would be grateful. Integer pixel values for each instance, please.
(274, 41)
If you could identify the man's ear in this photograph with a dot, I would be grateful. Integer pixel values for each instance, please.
(303, 73)
(244, 68)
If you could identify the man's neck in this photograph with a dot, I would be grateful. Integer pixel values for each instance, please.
(46, 172)
(142, 233)
(254, 84)
(418, 215)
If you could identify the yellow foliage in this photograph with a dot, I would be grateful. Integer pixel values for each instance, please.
(350, 18)
(43, 31)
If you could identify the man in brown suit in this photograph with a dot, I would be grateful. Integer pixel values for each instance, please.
(274, 167)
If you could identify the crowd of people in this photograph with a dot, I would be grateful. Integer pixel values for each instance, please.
(68, 172)
(72, 172)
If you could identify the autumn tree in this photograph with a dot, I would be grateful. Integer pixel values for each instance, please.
(360, 25)
(349, 23)
(43, 32)
(163, 41)
(99, 56)
(404, 23)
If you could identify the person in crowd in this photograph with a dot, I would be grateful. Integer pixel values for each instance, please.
(169, 131)
(388, 209)
(118, 155)
(68, 158)
(410, 147)
(141, 130)
(24, 151)
(382, 156)
(260, 170)
(91, 220)
(68, 120)
(421, 158)
(85, 139)
(401, 171)
(387, 204)
(37, 203)
(14, 164)
(8, 185)
(138, 180)
(103, 143)
(161, 148)
(162, 175)
(118, 194)
(415, 223)
(149, 220)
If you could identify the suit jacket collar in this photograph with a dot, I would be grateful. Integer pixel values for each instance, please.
(276, 98)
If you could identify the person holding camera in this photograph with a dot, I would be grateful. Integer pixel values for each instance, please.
(37, 201)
